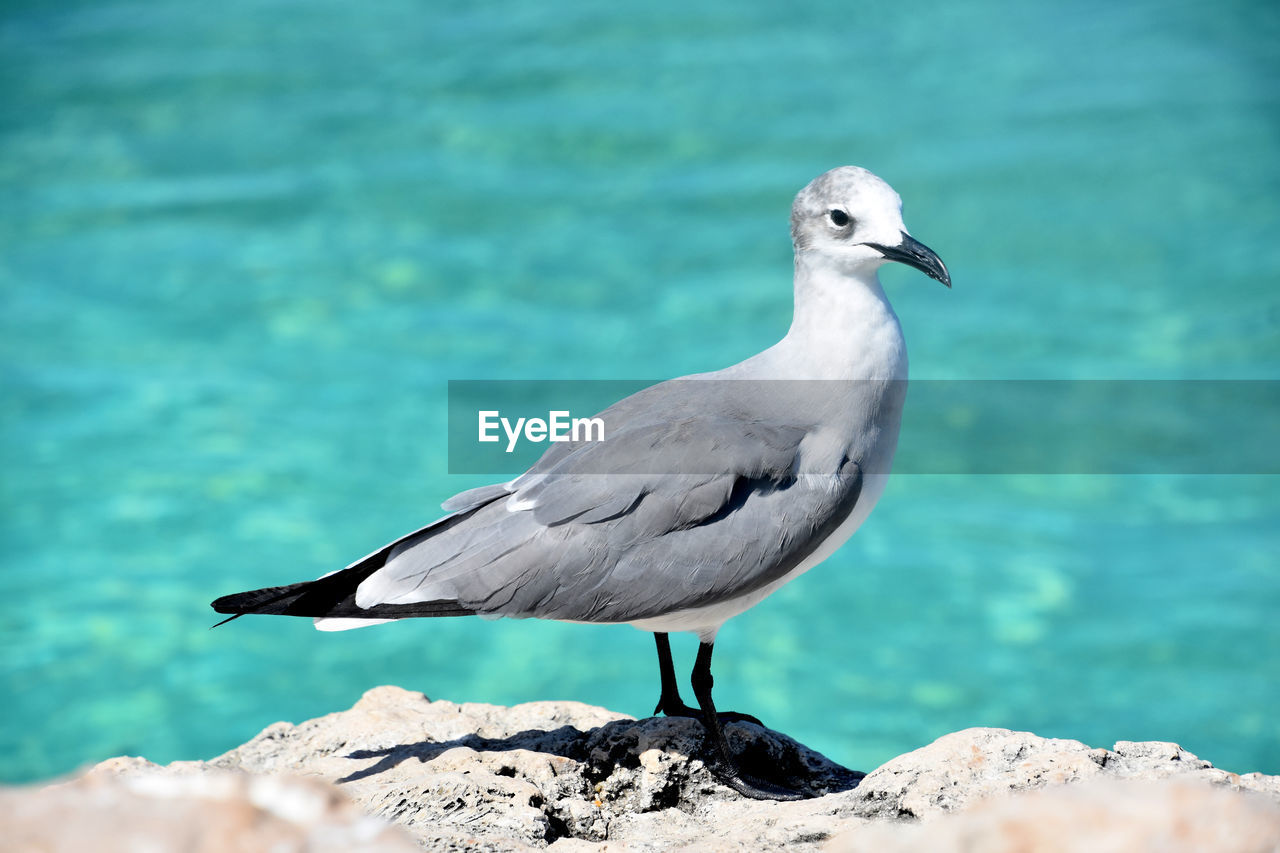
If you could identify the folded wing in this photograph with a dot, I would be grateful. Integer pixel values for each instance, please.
(674, 510)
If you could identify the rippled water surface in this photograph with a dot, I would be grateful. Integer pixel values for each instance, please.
(244, 245)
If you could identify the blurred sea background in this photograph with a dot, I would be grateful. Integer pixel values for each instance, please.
(245, 245)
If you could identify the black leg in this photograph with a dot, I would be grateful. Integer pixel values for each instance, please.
(728, 767)
(670, 704)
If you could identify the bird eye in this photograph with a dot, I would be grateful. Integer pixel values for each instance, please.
(838, 217)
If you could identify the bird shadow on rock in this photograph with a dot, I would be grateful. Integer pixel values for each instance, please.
(552, 742)
(669, 751)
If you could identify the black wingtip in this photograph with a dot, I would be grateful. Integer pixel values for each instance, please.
(330, 596)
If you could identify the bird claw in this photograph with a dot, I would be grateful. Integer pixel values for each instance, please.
(755, 789)
(735, 717)
(679, 709)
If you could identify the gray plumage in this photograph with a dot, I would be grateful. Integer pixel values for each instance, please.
(611, 532)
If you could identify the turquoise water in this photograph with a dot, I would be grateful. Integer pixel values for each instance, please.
(244, 246)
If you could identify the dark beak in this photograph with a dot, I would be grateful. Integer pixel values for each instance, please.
(913, 253)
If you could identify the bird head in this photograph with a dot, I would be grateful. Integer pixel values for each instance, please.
(851, 219)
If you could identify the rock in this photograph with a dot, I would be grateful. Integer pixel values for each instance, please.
(571, 777)
(132, 805)
(959, 769)
(533, 773)
(1099, 816)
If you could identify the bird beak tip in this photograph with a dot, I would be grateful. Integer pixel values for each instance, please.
(917, 255)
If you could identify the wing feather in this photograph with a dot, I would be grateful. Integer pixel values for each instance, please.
(673, 510)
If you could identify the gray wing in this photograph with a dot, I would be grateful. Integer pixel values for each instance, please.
(674, 510)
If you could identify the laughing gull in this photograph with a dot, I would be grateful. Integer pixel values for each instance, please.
(707, 494)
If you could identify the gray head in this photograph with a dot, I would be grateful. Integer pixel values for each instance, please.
(852, 220)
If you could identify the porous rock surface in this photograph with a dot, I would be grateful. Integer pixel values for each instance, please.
(574, 777)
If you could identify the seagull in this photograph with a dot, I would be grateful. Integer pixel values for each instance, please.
(708, 493)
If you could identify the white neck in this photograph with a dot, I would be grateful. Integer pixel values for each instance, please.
(843, 328)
